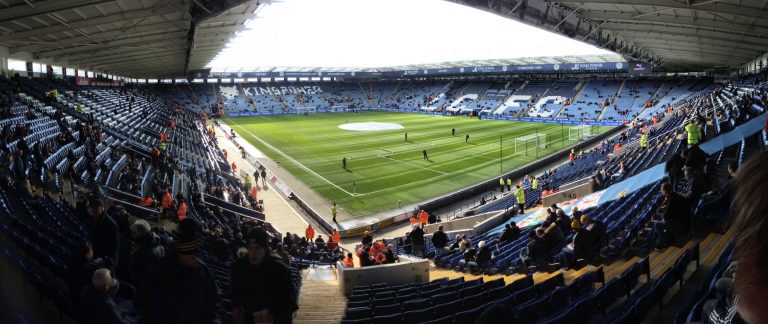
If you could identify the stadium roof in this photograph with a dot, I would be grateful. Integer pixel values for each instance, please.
(147, 38)
(164, 38)
(691, 34)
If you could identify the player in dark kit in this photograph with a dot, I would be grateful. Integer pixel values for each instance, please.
(424, 153)
(344, 163)
(453, 131)
(466, 139)
(406, 136)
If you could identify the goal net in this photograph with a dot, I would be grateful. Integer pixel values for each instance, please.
(578, 133)
(530, 142)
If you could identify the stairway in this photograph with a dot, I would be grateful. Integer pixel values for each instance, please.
(320, 299)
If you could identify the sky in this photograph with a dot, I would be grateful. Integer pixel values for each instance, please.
(382, 33)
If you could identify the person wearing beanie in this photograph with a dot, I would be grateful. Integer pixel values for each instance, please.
(184, 288)
(102, 232)
(260, 284)
(580, 247)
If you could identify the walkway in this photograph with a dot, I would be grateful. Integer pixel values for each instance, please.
(278, 210)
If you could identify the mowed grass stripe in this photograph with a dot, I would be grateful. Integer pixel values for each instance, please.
(318, 144)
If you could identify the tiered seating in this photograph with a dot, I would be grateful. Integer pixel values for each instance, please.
(632, 100)
(589, 104)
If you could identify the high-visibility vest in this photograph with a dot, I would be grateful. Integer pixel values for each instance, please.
(501, 181)
(182, 212)
(335, 237)
(694, 132)
(644, 140)
(349, 262)
(310, 232)
(535, 184)
(254, 192)
(423, 217)
(167, 200)
(520, 195)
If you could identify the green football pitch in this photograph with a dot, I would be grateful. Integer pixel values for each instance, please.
(383, 168)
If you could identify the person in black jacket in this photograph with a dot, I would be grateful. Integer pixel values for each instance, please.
(439, 240)
(696, 186)
(484, 255)
(673, 166)
(183, 287)
(714, 204)
(103, 232)
(676, 217)
(417, 237)
(536, 249)
(262, 281)
(511, 231)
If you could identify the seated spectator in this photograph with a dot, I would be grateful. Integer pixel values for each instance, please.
(510, 233)
(576, 213)
(262, 282)
(456, 243)
(581, 246)
(553, 236)
(484, 255)
(563, 221)
(533, 254)
(100, 302)
(80, 268)
(320, 243)
(596, 227)
(718, 200)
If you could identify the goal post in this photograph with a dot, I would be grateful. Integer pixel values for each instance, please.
(579, 133)
(531, 141)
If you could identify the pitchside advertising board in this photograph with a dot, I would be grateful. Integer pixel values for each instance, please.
(469, 70)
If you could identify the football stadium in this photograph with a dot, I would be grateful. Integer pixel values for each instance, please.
(371, 161)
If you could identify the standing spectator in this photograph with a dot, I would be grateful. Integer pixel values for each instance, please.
(676, 217)
(439, 240)
(367, 238)
(183, 287)
(102, 232)
(260, 284)
(417, 237)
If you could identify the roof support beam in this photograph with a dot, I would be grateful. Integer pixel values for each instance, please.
(152, 29)
(664, 20)
(45, 7)
(124, 56)
(84, 23)
(708, 6)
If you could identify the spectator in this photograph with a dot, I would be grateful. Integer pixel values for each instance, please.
(484, 255)
(389, 254)
(260, 284)
(718, 200)
(439, 240)
(146, 250)
(456, 243)
(580, 247)
(417, 237)
(673, 166)
(750, 246)
(536, 249)
(103, 231)
(183, 287)
(510, 233)
(101, 303)
(676, 217)
(367, 238)
(695, 188)
(320, 243)
(576, 213)
(80, 268)
(563, 221)
(596, 227)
